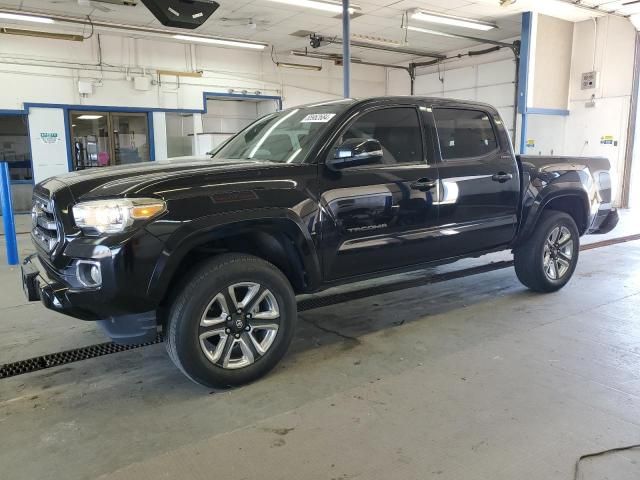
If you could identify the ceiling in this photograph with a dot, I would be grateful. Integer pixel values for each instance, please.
(274, 23)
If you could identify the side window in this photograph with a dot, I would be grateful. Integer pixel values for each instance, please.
(398, 131)
(464, 133)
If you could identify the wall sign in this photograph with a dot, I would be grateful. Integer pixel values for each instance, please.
(608, 140)
(531, 143)
(49, 138)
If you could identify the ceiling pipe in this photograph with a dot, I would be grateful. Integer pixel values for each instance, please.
(338, 58)
(401, 50)
(463, 37)
(88, 22)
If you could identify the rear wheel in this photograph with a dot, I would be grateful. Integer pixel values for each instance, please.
(232, 322)
(546, 262)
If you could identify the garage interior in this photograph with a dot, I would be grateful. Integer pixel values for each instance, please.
(452, 372)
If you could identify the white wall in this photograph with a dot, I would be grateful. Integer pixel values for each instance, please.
(34, 70)
(47, 71)
(547, 134)
(550, 65)
(614, 58)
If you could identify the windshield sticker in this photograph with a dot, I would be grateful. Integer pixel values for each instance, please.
(318, 118)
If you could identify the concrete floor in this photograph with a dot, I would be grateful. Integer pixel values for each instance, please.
(475, 378)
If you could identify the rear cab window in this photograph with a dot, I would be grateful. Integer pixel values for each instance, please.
(464, 133)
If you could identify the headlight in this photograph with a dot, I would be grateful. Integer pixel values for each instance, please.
(114, 216)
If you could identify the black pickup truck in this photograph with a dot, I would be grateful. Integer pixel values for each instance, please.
(213, 251)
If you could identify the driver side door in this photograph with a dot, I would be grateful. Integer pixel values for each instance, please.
(380, 216)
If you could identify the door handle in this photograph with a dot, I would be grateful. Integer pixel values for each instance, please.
(502, 177)
(423, 184)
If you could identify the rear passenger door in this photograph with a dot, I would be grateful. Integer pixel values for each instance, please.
(479, 181)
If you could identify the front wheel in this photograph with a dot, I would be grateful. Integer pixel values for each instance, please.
(232, 322)
(547, 260)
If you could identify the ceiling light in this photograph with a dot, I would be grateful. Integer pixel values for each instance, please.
(299, 66)
(327, 6)
(25, 18)
(452, 21)
(431, 32)
(41, 34)
(221, 41)
(89, 117)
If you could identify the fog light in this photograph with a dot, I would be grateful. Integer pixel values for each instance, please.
(89, 273)
(96, 274)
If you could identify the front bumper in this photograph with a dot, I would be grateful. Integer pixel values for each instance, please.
(38, 285)
(120, 305)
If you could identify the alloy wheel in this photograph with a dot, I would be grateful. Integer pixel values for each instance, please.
(558, 253)
(239, 325)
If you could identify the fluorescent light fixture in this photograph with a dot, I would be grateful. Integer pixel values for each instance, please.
(41, 34)
(221, 42)
(25, 18)
(327, 6)
(299, 66)
(431, 32)
(452, 21)
(89, 117)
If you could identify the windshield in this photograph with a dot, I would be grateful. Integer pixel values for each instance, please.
(284, 137)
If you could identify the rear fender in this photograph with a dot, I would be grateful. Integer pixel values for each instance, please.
(537, 196)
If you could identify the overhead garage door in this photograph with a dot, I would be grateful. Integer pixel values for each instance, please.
(492, 83)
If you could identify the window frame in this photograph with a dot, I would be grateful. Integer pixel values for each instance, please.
(354, 118)
(465, 159)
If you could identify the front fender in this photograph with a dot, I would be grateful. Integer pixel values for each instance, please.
(204, 230)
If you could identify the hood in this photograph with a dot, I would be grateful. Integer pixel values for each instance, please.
(132, 180)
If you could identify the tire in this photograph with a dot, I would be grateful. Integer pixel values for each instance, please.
(549, 250)
(258, 328)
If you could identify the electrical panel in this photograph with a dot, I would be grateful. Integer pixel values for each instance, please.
(85, 87)
(590, 80)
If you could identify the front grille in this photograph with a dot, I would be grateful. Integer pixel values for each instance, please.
(44, 226)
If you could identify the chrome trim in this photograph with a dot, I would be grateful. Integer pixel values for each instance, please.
(45, 229)
(79, 277)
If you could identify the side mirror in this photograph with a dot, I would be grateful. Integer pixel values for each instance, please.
(355, 152)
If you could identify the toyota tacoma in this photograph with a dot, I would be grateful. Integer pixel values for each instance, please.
(213, 251)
